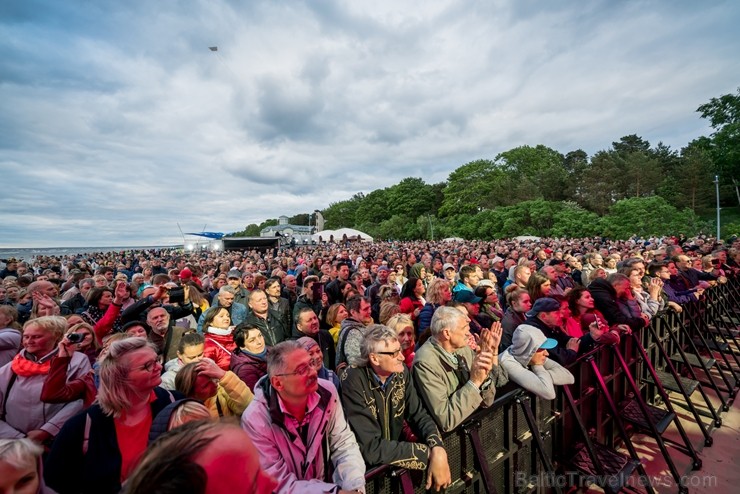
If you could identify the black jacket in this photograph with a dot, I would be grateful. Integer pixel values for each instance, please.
(376, 417)
(325, 341)
(605, 297)
(560, 354)
(69, 470)
(273, 329)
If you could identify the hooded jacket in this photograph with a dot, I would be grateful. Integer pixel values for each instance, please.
(171, 367)
(538, 379)
(300, 467)
(350, 338)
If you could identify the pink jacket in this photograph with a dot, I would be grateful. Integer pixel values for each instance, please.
(283, 455)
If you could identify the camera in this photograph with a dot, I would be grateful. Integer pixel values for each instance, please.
(75, 337)
(177, 296)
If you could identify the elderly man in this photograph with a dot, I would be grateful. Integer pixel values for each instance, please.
(225, 298)
(164, 334)
(690, 278)
(378, 396)
(593, 262)
(155, 296)
(453, 380)
(307, 324)
(297, 425)
(76, 303)
(266, 319)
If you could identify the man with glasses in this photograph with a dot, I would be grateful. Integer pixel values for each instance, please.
(379, 396)
(452, 379)
(297, 424)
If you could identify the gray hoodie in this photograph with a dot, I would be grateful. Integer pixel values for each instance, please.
(538, 379)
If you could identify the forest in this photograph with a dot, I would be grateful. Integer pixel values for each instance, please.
(631, 188)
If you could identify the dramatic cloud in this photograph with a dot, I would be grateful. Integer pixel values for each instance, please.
(117, 121)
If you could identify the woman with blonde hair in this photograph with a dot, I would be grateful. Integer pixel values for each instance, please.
(88, 345)
(404, 328)
(20, 467)
(334, 317)
(97, 449)
(22, 413)
(438, 294)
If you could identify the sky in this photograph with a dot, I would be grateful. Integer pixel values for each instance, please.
(117, 122)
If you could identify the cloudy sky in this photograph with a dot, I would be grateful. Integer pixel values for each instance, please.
(117, 121)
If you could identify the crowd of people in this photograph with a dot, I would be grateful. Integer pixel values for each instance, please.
(296, 370)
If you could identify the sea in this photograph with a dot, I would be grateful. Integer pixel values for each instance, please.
(28, 254)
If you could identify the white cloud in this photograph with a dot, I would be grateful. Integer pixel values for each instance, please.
(117, 122)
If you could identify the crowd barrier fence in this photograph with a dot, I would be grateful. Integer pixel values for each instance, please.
(526, 444)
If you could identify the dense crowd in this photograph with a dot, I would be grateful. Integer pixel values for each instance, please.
(296, 370)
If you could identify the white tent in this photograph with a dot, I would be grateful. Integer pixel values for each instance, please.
(453, 239)
(338, 235)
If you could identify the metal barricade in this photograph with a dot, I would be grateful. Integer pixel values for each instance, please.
(524, 444)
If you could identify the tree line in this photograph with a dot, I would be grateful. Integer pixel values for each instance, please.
(630, 188)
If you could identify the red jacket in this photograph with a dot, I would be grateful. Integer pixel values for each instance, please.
(408, 306)
(218, 348)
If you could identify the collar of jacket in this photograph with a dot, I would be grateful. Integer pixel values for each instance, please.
(374, 381)
(445, 357)
(273, 405)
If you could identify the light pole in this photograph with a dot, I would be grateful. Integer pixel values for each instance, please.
(716, 189)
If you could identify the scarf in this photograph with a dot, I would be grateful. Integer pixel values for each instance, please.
(220, 331)
(23, 367)
(262, 355)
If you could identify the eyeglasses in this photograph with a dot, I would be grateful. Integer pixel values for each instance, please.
(302, 371)
(390, 354)
(149, 366)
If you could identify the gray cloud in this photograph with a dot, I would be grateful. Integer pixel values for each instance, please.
(117, 122)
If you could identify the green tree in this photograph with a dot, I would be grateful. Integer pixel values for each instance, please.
(694, 180)
(723, 114)
(646, 216)
(641, 174)
(575, 164)
(342, 214)
(252, 230)
(410, 197)
(631, 144)
(600, 183)
(474, 186)
(571, 220)
(373, 209)
(299, 219)
(534, 172)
